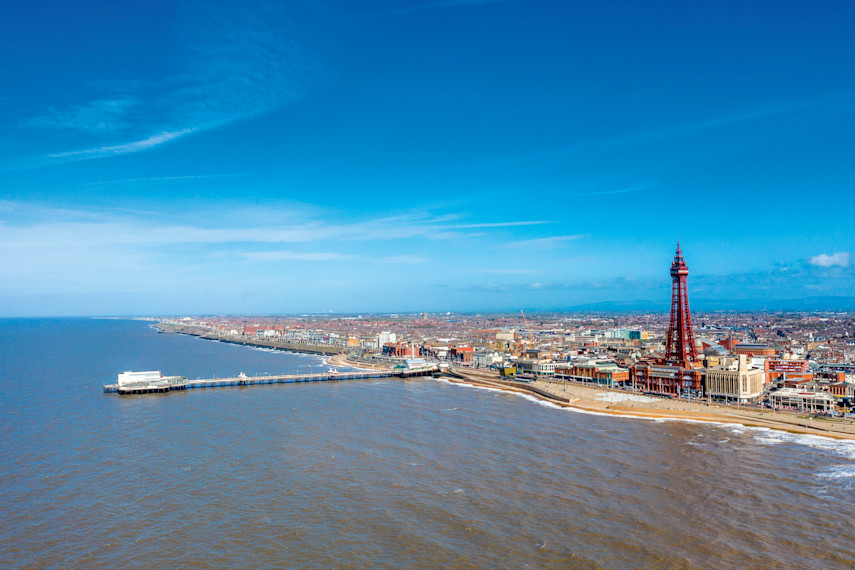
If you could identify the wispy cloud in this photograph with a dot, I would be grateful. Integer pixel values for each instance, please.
(239, 62)
(606, 192)
(125, 148)
(405, 259)
(56, 250)
(38, 225)
(501, 224)
(840, 259)
(162, 179)
(284, 255)
(435, 6)
(508, 271)
(101, 116)
(769, 109)
(544, 243)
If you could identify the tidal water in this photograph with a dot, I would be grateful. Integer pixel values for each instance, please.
(368, 474)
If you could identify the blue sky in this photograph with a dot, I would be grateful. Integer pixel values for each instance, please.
(214, 157)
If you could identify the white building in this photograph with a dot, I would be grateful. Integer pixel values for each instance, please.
(795, 399)
(486, 359)
(386, 337)
(130, 377)
(735, 380)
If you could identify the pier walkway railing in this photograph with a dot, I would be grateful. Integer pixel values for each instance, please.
(184, 384)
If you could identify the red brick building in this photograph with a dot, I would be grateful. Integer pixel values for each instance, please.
(666, 379)
(755, 349)
(400, 350)
(776, 369)
(603, 372)
(461, 353)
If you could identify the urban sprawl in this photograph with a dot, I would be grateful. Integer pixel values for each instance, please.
(784, 361)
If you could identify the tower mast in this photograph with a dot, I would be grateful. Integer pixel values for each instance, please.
(680, 341)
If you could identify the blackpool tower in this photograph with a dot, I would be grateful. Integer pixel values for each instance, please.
(680, 342)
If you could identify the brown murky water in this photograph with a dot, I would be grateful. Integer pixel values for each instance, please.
(379, 474)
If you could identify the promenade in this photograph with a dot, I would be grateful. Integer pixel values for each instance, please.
(625, 403)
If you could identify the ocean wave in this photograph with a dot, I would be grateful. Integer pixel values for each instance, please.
(764, 435)
(540, 401)
(467, 385)
(573, 409)
(838, 472)
(768, 436)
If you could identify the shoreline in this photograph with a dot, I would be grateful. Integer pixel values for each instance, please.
(589, 398)
(343, 359)
(317, 350)
(585, 398)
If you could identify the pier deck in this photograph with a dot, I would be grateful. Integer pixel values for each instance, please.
(185, 384)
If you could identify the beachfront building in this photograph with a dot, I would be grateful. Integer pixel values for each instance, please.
(526, 366)
(806, 401)
(486, 359)
(743, 384)
(598, 371)
(843, 393)
(668, 380)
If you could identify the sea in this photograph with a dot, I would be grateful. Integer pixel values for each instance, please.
(420, 473)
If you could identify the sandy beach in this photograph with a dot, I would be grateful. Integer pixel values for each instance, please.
(343, 359)
(602, 400)
(623, 403)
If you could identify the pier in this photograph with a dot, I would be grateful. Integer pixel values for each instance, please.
(176, 383)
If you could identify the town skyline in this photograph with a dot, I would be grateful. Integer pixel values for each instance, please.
(472, 156)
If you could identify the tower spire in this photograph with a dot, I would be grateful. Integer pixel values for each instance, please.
(680, 340)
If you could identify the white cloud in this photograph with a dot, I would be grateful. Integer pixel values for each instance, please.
(53, 250)
(840, 259)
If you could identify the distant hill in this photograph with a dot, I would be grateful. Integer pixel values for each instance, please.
(647, 306)
(637, 306)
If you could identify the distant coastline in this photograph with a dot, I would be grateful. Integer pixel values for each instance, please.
(323, 350)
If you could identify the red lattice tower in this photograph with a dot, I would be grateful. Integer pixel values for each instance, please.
(680, 342)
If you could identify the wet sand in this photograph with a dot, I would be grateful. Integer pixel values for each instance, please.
(595, 399)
